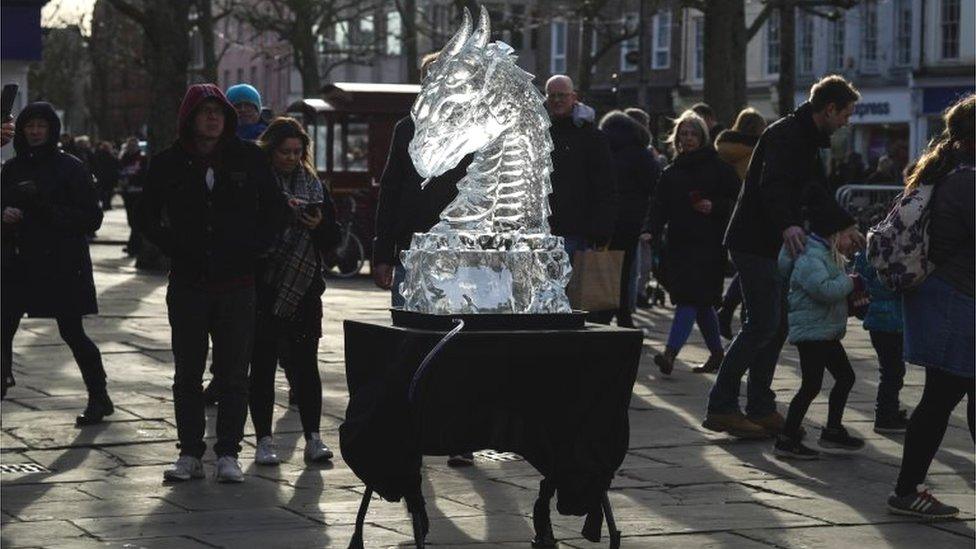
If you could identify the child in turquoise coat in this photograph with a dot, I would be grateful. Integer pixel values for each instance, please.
(818, 291)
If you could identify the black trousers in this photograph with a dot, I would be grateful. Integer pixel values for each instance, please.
(197, 315)
(298, 357)
(72, 331)
(927, 427)
(815, 357)
(891, 363)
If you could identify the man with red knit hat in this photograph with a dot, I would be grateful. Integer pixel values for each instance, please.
(210, 203)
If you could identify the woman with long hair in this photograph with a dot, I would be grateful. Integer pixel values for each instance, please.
(938, 313)
(289, 290)
(693, 199)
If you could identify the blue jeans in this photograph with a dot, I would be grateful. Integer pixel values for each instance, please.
(396, 298)
(685, 317)
(757, 346)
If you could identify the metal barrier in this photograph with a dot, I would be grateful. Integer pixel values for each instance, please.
(868, 203)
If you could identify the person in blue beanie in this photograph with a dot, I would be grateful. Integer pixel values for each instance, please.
(247, 101)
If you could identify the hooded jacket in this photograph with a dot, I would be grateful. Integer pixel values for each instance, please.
(735, 148)
(214, 237)
(47, 269)
(818, 290)
(637, 171)
(785, 163)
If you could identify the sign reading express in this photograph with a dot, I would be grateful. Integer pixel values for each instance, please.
(882, 108)
(878, 106)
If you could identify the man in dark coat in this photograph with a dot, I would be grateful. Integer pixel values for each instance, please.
(211, 204)
(49, 205)
(106, 171)
(404, 208)
(771, 212)
(584, 197)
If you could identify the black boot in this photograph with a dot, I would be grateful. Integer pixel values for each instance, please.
(711, 365)
(665, 360)
(99, 406)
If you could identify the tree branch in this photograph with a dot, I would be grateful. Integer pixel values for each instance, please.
(759, 21)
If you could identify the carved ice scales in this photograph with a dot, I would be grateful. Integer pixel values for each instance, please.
(492, 251)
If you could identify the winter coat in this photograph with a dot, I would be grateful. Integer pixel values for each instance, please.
(952, 248)
(736, 148)
(106, 170)
(583, 200)
(251, 132)
(885, 310)
(774, 194)
(637, 173)
(818, 290)
(46, 266)
(694, 255)
(213, 237)
(404, 208)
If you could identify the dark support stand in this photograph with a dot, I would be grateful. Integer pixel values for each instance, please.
(541, 522)
(418, 515)
(357, 537)
(611, 524)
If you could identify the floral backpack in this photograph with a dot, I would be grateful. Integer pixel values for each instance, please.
(898, 246)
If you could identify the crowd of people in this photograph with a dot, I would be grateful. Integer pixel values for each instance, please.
(237, 206)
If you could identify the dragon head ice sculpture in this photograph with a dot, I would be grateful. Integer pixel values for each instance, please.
(492, 251)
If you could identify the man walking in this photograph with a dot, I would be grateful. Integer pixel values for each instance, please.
(212, 206)
(771, 212)
(584, 198)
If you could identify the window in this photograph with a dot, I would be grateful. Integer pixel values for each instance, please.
(836, 49)
(903, 32)
(254, 75)
(869, 47)
(661, 58)
(630, 24)
(517, 24)
(393, 30)
(594, 46)
(266, 84)
(341, 35)
(772, 43)
(226, 78)
(441, 21)
(557, 56)
(950, 29)
(366, 32)
(350, 146)
(699, 23)
(240, 75)
(805, 49)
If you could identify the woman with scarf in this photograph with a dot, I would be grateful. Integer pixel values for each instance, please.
(49, 207)
(290, 287)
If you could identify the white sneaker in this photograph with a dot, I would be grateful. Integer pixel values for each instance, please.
(316, 450)
(228, 470)
(267, 452)
(185, 468)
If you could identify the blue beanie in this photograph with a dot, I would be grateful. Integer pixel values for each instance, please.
(244, 93)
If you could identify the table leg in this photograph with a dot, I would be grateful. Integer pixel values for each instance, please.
(418, 517)
(541, 520)
(611, 524)
(357, 537)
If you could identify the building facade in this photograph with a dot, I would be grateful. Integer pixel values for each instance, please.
(20, 44)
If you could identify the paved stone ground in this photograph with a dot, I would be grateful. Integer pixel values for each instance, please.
(680, 486)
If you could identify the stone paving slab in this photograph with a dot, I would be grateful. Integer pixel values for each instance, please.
(679, 485)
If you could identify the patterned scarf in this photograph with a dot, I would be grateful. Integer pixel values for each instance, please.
(294, 262)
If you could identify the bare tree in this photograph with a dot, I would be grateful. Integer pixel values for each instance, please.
(206, 15)
(303, 24)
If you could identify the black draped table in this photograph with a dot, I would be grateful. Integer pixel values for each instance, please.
(558, 398)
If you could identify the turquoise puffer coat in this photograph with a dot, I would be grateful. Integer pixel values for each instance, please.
(818, 293)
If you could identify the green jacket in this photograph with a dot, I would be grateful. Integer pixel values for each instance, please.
(818, 293)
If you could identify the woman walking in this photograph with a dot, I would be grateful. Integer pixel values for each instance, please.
(693, 199)
(290, 286)
(49, 207)
(938, 314)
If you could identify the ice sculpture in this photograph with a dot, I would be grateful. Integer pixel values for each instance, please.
(492, 251)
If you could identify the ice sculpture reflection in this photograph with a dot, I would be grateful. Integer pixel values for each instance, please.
(492, 251)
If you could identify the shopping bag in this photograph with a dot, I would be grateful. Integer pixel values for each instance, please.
(595, 282)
